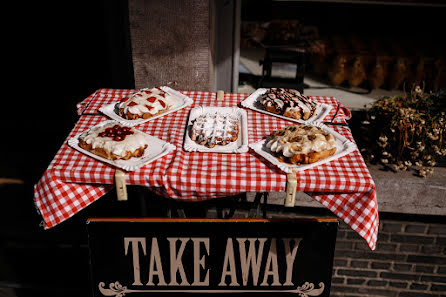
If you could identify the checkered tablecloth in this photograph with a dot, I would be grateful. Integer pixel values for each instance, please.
(73, 180)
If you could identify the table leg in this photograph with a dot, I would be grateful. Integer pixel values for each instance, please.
(142, 203)
(257, 206)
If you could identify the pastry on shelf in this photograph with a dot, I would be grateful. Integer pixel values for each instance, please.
(398, 73)
(337, 71)
(378, 73)
(356, 73)
(440, 74)
(415, 72)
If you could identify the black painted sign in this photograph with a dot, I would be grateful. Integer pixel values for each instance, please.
(177, 257)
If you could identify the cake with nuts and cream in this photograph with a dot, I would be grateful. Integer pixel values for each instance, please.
(301, 144)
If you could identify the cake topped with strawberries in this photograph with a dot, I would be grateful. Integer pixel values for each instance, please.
(113, 141)
(144, 104)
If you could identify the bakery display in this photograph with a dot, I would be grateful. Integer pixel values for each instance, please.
(301, 144)
(144, 104)
(215, 128)
(113, 141)
(289, 103)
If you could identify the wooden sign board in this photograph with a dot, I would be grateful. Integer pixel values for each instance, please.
(200, 257)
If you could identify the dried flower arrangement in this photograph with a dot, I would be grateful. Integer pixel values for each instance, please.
(406, 132)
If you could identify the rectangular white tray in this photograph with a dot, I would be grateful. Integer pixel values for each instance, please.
(343, 147)
(156, 149)
(180, 100)
(238, 146)
(252, 102)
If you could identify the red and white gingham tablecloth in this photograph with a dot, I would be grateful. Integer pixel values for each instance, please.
(73, 180)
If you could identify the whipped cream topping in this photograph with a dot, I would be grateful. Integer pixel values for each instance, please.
(130, 142)
(214, 128)
(146, 100)
(297, 104)
(300, 140)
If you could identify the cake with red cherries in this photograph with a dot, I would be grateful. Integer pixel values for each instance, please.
(144, 104)
(114, 141)
(289, 103)
(211, 129)
(301, 144)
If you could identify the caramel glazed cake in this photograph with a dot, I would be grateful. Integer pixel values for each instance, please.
(289, 103)
(113, 141)
(300, 144)
(211, 129)
(144, 104)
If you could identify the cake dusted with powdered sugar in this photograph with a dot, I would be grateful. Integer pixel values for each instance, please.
(211, 129)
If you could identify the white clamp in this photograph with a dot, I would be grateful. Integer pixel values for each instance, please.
(220, 95)
(291, 187)
(121, 187)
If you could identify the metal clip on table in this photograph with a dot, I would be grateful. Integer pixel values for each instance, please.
(220, 95)
(291, 188)
(121, 187)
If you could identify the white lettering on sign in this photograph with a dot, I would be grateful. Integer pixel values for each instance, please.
(200, 262)
(272, 267)
(135, 252)
(155, 260)
(290, 257)
(250, 262)
(176, 264)
(248, 265)
(229, 268)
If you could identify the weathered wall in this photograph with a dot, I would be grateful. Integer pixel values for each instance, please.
(409, 261)
(163, 54)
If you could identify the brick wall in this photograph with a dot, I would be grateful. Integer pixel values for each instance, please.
(409, 261)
